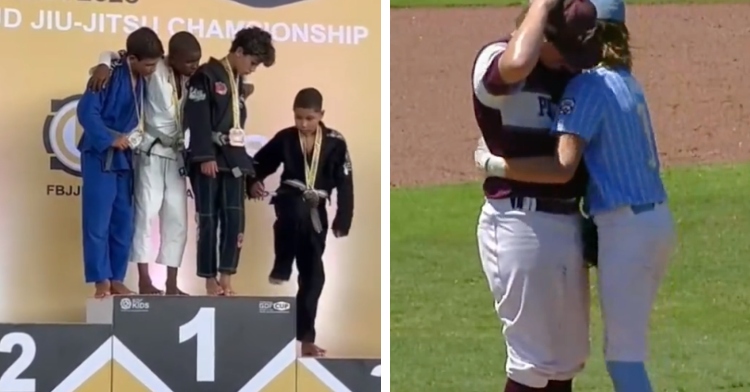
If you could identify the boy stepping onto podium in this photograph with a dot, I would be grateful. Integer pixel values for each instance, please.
(316, 161)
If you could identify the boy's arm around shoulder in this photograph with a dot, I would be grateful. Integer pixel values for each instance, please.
(89, 113)
(344, 181)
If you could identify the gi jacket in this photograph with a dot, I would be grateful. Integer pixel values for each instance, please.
(208, 109)
(334, 169)
(106, 114)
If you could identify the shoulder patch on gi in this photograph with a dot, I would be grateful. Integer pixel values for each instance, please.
(335, 134)
(220, 88)
(196, 94)
(566, 106)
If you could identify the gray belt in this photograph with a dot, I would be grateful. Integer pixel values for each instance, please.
(312, 198)
(174, 142)
(220, 139)
(110, 151)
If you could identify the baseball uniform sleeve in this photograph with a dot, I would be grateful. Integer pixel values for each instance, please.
(486, 75)
(581, 108)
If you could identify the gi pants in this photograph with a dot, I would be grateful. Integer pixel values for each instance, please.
(107, 219)
(295, 238)
(160, 190)
(218, 201)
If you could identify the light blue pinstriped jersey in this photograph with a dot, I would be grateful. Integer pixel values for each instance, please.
(608, 109)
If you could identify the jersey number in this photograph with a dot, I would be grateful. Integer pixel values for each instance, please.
(649, 131)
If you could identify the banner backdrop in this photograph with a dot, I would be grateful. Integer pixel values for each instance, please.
(48, 47)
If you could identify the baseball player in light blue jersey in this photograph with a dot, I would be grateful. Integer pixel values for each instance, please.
(603, 118)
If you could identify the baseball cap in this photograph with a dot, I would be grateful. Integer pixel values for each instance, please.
(613, 10)
(570, 27)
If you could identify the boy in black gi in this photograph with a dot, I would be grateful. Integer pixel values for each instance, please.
(217, 161)
(316, 160)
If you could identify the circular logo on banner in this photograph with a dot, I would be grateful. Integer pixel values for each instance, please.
(61, 135)
(126, 304)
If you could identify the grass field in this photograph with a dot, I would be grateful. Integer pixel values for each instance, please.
(445, 335)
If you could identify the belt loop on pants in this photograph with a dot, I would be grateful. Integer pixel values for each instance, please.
(550, 206)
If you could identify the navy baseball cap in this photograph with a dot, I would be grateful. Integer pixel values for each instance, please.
(570, 27)
(613, 10)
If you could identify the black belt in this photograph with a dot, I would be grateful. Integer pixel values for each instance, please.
(550, 206)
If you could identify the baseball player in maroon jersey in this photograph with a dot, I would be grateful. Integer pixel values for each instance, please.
(529, 234)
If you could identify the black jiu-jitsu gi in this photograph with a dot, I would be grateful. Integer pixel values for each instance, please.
(209, 117)
(297, 235)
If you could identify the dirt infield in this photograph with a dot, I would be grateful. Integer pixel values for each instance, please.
(693, 62)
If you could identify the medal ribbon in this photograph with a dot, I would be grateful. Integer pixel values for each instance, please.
(139, 105)
(234, 91)
(176, 101)
(311, 168)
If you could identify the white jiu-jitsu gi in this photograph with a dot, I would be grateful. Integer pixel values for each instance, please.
(160, 190)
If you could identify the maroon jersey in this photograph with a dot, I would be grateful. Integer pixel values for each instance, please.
(515, 122)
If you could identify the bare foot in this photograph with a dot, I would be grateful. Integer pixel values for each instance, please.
(147, 288)
(213, 288)
(226, 284)
(119, 288)
(174, 290)
(311, 350)
(171, 284)
(102, 289)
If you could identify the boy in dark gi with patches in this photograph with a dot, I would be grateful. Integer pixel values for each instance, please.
(217, 161)
(316, 161)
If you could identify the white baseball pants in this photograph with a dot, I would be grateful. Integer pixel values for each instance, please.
(634, 250)
(160, 191)
(534, 266)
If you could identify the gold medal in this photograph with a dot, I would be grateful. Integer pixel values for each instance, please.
(311, 167)
(236, 134)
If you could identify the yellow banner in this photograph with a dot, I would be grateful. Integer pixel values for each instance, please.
(48, 47)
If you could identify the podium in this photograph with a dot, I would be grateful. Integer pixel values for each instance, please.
(43, 357)
(174, 344)
(338, 375)
(201, 344)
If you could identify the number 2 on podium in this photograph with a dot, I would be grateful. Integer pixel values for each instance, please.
(203, 328)
(9, 381)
